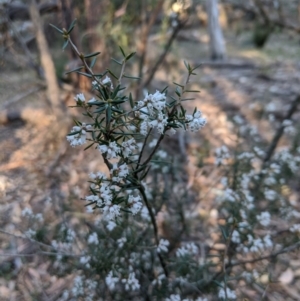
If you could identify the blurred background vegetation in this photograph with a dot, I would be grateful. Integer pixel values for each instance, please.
(249, 67)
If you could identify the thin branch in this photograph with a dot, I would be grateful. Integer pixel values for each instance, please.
(154, 150)
(272, 255)
(143, 148)
(163, 55)
(280, 130)
(153, 221)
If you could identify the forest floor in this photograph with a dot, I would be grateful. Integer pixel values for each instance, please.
(38, 168)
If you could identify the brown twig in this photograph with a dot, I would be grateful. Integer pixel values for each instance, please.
(163, 55)
(153, 221)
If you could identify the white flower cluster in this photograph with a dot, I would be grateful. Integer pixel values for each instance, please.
(153, 103)
(188, 249)
(264, 218)
(93, 239)
(104, 201)
(131, 283)
(111, 281)
(195, 121)
(256, 245)
(295, 228)
(135, 204)
(27, 212)
(78, 134)
(158, 280)
(222, 153)
(119, 172)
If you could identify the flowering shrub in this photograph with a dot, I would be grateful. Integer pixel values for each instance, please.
(131, 252)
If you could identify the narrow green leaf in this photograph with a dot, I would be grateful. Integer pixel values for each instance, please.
(89, 146)
(59, 30)
(131, 101)
(122, 51)
(172, 103)
(118, 101)
(74, 133)
(141, 168)
(108, 115)
(196, 68)
(72, 26)
(100, 110)
(128, 57)
(193, 91)
(187, 65)
(117, 62)
(117, 89)
(131, 77)
(84, 74)
(65, 44)
(91, 55)
(164, 90)
(145, 174)
(116, 110)
(185, 99)
(93, 62)
(178, 84)
(74, 70)
(112, 74)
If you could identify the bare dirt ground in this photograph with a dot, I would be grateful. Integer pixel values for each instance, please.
(38, 169)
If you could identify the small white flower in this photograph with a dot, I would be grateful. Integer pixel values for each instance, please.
(295, 228)
(235, 237)
(93, 239)
(111, 211)
(188, 249)
(131, 283)
(129, 147)
(159, 123)
(111, 225)
(230, 294)
(30, 233)
(111, 281)
(158, 280)
(98, 176)
(79, 98)
(107, 81)
(163, 246)
(84, 260)
(121, 241)
(111, 150)
(270, 194)
(264, 218)
(27, 212)
(135, 204)
(78, 135)
(195, 122)
(153, 143)
(173, 298)
(145, 214)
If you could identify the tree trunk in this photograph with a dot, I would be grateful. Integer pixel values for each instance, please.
(217, 44)
(53, 93)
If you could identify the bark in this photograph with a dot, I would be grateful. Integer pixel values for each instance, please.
(53, 93)
(217, 44)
